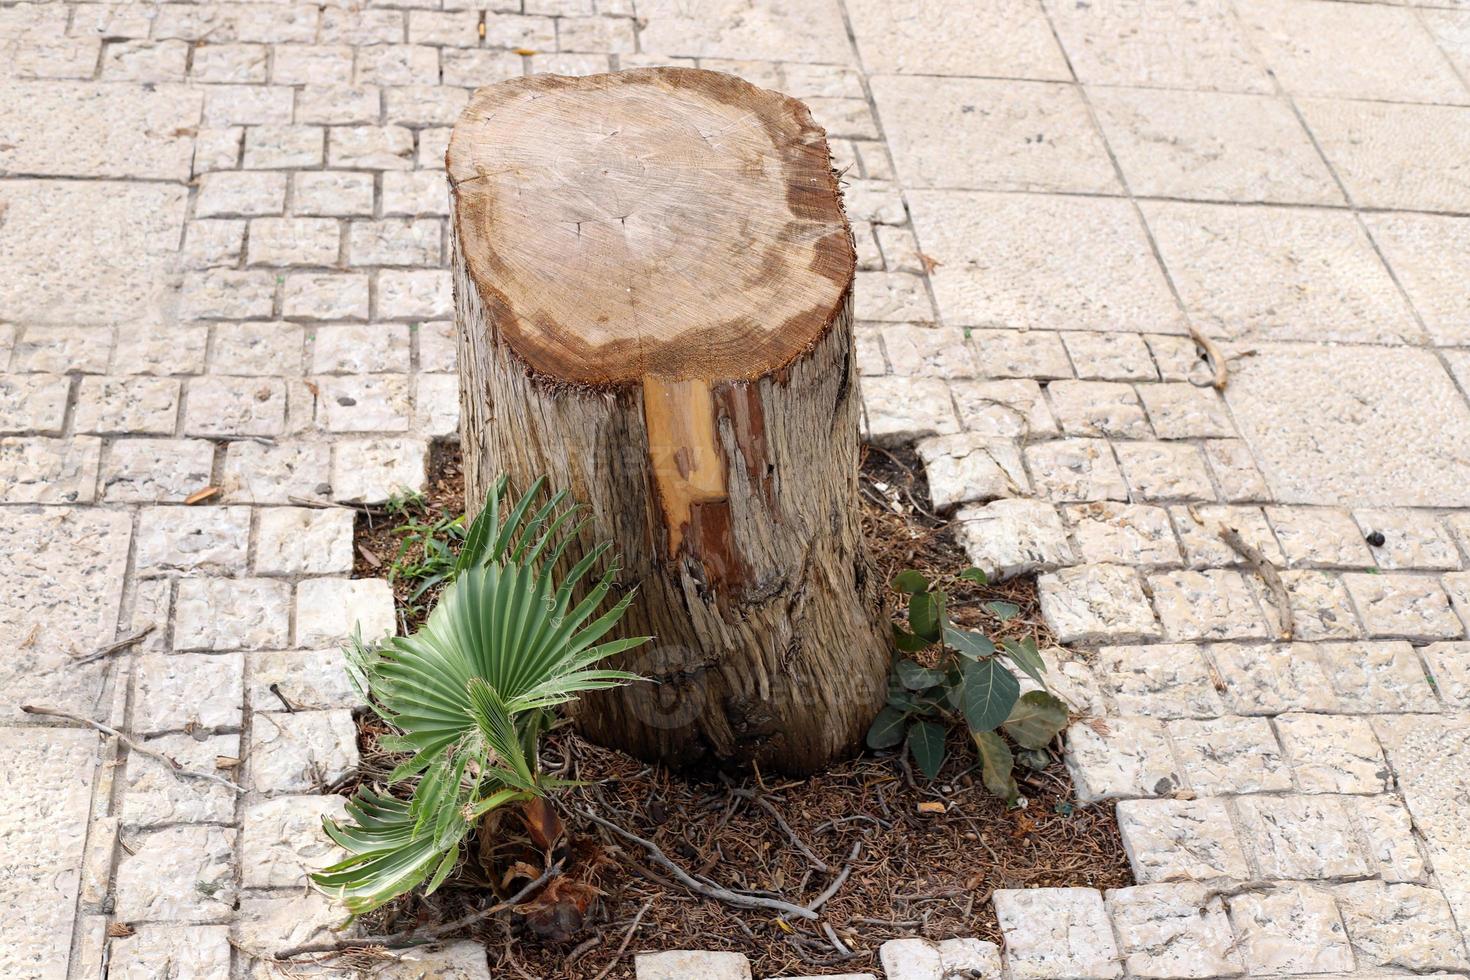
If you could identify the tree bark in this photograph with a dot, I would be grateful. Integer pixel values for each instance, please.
(653, 285)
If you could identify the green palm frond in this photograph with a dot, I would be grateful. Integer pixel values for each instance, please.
(470, 693)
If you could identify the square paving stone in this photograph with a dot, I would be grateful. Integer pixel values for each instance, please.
(46, 776)
(302, 751)
(1173, 931)
(1449, 667)
(124, 234)
(1354, 425)
(1042, 262)
(156, 951)
(1374, 678)
(1267, 679)
(1056, 932)
(1212, 146)
(306, 680)
(1410, 606)
(1299, 837)
(1411, 539)
(1215, 604)
(1162, 680)
(155, 795)
(1120, 758)
(770, 29)
(64, 570)
(1010, 38)
(281, 840)
(1291, 929)
(1430, 254)
(1415, 157)
(1173, 840)
(181, 874)
(1160, 45)
(188, 691)
(1097, 604)
(1319, 537)
(1165, 471)
(1270, 273)
(1389, 833)
(80, 129)
(1076, 469)
(992, 134)
(1125, 534)
(1355, 51)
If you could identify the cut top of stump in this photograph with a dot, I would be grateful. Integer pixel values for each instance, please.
(668, 222)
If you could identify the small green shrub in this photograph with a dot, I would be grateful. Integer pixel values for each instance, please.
(427, 553)
(469, 695)
(972, 682)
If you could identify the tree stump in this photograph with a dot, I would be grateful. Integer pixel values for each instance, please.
(653, 282)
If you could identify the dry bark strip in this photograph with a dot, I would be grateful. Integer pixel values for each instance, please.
(1268, 573)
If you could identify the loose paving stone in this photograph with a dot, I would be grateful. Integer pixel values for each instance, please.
(1389, 833)
(927, 351)
(1431, 760)
(1371, 678)
(177, 692)
(232, 406)
(911, 959)
(1320, 607)
(1233, 754)
(1290, 929)
(146, 470)
(1313, 415)
(1411, 539)
(457, 961)
(274, 474)
(1199, 528)
(304, 541)
(1269, 680)
(1004, 409)
(46, 777)
(1236, 473)
(301, 752)
(1006, 538)
(1110, 357)
(281, 840)
(360, 348)
(1056, 932)
(64, 570)
(1174, 840)
(371, 471)
(179, 874)
(154, 794)
(277, 921)
(155, 951)
(1165, 680)
(1165, 471)
(968, 467)
(231, 614)
(36, 470)
(306, 680)
(61, 350)
(1098, 408)
(1449, 669)
(1124, 534)
(1403, 605)
(1027, 272)
(969, 958)
(1175, 931)
(1121, 757)
(1020, 354)
(333, 610)
(208, 540)
(33, 403)
(1333, 753)
(1178, 410)
(1298, 837)
(678, 964)
(1407, 927)
(1075, 469)
(1216, 604)
(1097, 604)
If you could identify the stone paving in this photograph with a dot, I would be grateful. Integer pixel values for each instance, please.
(222, 248)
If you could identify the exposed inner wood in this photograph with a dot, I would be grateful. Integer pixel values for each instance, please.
(658, 221)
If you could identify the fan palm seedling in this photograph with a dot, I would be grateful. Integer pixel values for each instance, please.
(469, 694)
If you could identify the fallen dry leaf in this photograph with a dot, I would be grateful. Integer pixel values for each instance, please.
(199, 496)
(931, 806)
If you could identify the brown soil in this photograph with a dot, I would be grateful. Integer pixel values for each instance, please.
(914, 873)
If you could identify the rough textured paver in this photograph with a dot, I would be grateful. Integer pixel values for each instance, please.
(222, 263)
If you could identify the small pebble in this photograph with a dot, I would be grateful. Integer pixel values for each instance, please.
(1376, 539)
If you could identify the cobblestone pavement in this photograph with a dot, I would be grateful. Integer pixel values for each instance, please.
(222, 240)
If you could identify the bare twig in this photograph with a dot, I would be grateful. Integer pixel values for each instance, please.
(769, 807)
(628, 938)
(1268, 574)
(174, 766)
(418, 937)
(276, 690)
(1213, 356)
(840, 880)
(693, 884)
(117, 646)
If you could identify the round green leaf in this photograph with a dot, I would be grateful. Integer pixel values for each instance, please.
(910, 582)
(996, 766)
(968, 643)
(926, 614)
(990, 693)
(974, 575)
(1025, 656)
(926, 745)
(887, 729)
(1004, 611)
(1036, 720)
(916, 677)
